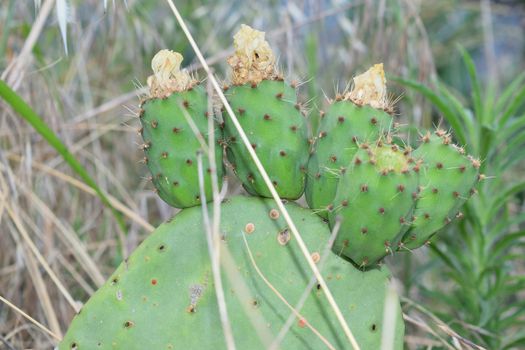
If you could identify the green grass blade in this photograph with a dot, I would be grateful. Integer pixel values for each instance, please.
(476, 90)
(505, 197)
(515, 344)
(513, 160)
(512, 129)
(26, 112)
(512, 153)
(448, 261)
(466, 119)
(513, 106)
(505, 243)
(509, 92)
(503, 226)
(312, 47)
(448, 113)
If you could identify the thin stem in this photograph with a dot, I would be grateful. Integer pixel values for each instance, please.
(31, 319)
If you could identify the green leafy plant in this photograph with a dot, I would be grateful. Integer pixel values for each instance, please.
(481, 252)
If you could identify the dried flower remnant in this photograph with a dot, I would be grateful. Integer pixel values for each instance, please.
(167, 76)
(253, 60)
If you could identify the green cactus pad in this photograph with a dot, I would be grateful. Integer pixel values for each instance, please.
(375, 199)
(171, 147)
(163, 296)
(268, 113)
(342, 128)
(447, 178)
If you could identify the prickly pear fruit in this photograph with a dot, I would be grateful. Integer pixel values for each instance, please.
(447, 179)
(361, 115)
(374, 200)
(268, 111)
(170, 145)
(163, 296)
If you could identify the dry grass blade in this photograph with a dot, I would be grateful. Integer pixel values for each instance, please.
(107, 106)
(69, 237)
(6, 343)
(216, 214)
(21, 107)
(212, 229)
(389, 318)
(39, 285)
(76, 276)
(31, 319)
(195, 130)
(14, 73)
(440, 325)
(243, 293)
(213, 240)
(327, 250)
(82, 186)
(428, 329)
(267, 180)
(32, 267)
(40, 258)
(280, 296)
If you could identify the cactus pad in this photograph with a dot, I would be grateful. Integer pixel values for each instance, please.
(374, 201)
(447, 177)
(163, 296)
(341, 129)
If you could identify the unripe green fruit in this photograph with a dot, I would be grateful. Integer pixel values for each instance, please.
(270, 116)
(171, 147)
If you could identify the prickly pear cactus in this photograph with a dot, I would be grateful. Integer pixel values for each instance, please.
(268, 111)
(447, 179)
(170, 145)
(349, 121)
(374, 200)
(163, 296)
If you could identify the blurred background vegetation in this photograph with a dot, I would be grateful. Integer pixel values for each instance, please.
(467, 288)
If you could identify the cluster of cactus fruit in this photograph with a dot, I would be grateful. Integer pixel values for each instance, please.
(356, 173)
